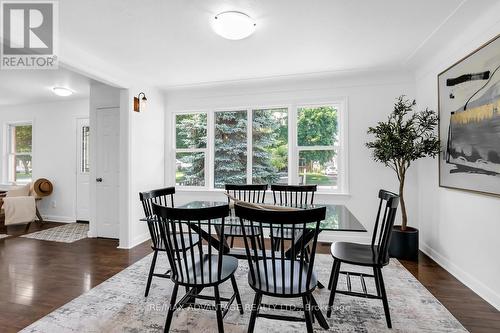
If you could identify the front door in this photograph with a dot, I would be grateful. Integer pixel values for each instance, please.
(107, 172)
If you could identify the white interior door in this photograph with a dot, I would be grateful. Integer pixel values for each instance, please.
(82, 170)
(107, 172)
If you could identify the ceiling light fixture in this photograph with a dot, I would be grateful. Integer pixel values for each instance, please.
(61, 91)
(233, 25)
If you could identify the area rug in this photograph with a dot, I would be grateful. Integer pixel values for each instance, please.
(68, 233)
(3, 236)
(119, 305)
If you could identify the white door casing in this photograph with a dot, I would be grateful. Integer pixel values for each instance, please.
(107, 172)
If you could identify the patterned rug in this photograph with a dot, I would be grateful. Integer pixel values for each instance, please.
(3, 236)
(119, 305)
(68, 233)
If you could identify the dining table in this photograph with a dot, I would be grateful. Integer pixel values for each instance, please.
(338, 218)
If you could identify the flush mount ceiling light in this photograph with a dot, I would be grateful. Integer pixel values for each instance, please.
(233, 25)
(61, 91)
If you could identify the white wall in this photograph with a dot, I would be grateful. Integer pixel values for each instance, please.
(145, 156)
(458, 229)
(370, 98)
(54, 150)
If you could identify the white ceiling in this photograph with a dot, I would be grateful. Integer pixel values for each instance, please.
(35, 86)
(171, 43)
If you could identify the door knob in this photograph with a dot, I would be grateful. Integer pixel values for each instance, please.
(99, 180)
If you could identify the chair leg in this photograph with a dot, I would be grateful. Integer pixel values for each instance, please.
(307, 313)
(151, 271)
(332, 274)
(316, 311)
(236, 291)
(335, 273)
(171, 309)
(255, 310)
(232, 242)
(218, 310)
(379, 280)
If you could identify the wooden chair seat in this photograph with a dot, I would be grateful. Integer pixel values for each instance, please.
(270, 279)
(357, 254)
(204, 272)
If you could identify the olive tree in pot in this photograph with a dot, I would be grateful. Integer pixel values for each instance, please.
(406, 136)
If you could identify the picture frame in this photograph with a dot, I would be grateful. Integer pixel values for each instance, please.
(469, 121)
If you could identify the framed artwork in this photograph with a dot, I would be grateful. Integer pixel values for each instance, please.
(469, 121)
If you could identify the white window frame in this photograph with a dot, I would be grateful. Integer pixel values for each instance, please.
(11, 154)
(337, 147)
(191, 150)
(341, 146)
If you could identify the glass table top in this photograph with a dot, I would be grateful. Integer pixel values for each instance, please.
(338, 217)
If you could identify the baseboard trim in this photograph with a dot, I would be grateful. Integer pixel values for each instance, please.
(136, 241)
(471, 282)
(61, 219)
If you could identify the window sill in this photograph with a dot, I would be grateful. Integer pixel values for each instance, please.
(319, 193)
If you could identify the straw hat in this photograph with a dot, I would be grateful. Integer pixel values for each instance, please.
(43, 187)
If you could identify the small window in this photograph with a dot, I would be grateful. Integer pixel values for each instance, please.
(317, 145)
(191, 149)
(20, 150)
(85, 165)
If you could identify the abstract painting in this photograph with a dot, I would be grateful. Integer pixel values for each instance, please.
(469, 126)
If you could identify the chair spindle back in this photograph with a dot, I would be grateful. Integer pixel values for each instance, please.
(384, 223)
(254, 193)
(174, 225)
(293, 195)
(285, 271)
(163, 197)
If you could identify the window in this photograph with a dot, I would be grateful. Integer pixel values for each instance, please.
(84, 164)
(19, 151)
(299, 144)
(191, 149)
(270, 146)
(317, 136)
(230, 153)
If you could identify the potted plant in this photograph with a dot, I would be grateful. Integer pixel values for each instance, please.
(406, 136)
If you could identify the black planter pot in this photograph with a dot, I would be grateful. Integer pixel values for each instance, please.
(404, 244)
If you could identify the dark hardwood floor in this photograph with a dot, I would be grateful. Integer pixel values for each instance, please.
(36, 277)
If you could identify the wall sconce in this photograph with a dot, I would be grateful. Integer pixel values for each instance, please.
(140, 103)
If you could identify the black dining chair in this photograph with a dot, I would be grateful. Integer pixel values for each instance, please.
(193, 265)
(292, 196)
(284, 273)
(163, 197)
(375, 255)
(254, 193)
